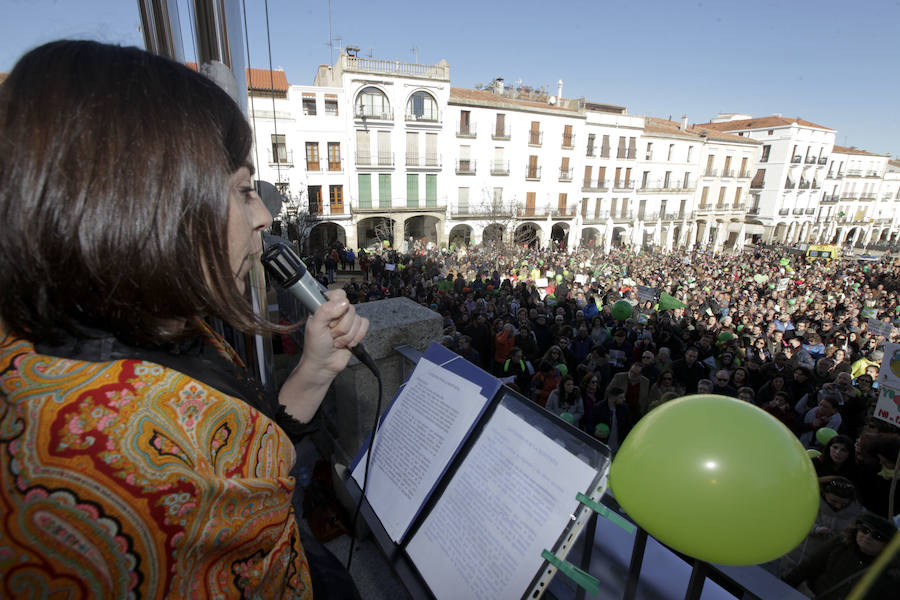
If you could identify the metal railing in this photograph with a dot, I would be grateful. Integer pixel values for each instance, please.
(369, 112)
(532, 173)
(624, 215)
(286, 158)
(867, 197)
(796, 159)
(745, 175)
(810, 211)
(566, 213)
(602, 186)
(810, 160)
(591, 151)
(873, 174)
(798, 211)
(565, 174)
(753, 210)
(784, 212)
(823, 160)
(501, 135)
(426, 161)
(833, 199)
(711, 173)
(500, 167)
(467, 131)
(568, 141)
(804, 185)
(414, 118)
(535, 138)
(626, 185)
(465, 167)
(335, 165)
(854, 173)
(728, 174)
(604, 151)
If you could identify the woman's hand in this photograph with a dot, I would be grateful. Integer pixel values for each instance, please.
(330, 332)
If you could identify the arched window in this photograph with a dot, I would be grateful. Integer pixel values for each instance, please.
(421, 107)
(371, 102)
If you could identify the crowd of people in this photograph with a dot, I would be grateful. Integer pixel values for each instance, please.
(764, 325)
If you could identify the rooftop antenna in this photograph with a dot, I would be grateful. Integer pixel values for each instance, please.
(330, 39)
(371, 51)
(415, 50)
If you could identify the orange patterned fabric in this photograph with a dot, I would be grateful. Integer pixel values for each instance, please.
(127, 479)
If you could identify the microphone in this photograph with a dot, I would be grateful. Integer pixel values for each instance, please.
(289, 273)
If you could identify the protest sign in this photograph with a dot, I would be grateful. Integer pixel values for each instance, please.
(876, 327)
(541, 282)
(581, 278)
(389, 267)
(645, 293)
(888, 406)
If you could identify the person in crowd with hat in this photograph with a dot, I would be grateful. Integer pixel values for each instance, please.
(836, 567)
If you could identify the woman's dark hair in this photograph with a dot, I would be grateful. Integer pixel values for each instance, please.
(115, 166)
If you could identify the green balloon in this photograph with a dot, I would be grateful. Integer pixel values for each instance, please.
(725, 336)
(621, 310)
(568, 418)
(823, 434)
(792, 301)
(559, 277)
(602, 429)
(717, 479)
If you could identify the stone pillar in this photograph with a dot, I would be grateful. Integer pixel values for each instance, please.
(392, 322)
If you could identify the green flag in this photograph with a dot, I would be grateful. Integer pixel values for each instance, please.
(666, 302)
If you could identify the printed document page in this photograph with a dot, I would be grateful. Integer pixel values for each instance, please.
(416, 441)
(510, 499)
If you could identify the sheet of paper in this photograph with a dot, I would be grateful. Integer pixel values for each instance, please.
(421, 432)
(510, 499)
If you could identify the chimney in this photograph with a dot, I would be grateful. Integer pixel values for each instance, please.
(684, 122)
(559, 90)
(498, 86)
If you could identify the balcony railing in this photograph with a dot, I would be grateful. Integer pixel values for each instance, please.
(873, 174)
(465, 167)
(810, 160)
(753, 210)
(565, 213)
(745, 175)
(830, 199)
(867, 197)
(823, 160)
(757, 185)
(427, 161)
(500, 167)
(591, 151)
(604, 151)
(728, 174)
(810, 211)
(395, 67)
(790, 185)
(798, 211)
(854, 173)
(568, 141)
(565, 174)
(711, 173)
(673, 216)
(466, 131)
(601, 186)
(804, 185)
(372, 113)
(623, 186)
(335, 165)
(313, 166)
(849, 196)
(532, 173)
(784, 212)
(796, 159)
(535, 138)
(632, 152)
(284, 158)
(624, 215)
(423, 118)
(501, 134)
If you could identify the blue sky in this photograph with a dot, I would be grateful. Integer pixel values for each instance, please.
(830, 62)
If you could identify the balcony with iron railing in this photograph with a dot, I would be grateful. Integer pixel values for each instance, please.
(804, 185)
(796, 159)
(624, 215)
(465, 131)
(833, 199)
(426, 161)
(371, 113)
(798, 211)
(604, 151)
(810, 160)
(664, 187)
(672, 216)
(601, 186)
(591, 151)
(632, 153)
(382, 159)
(757, 184)
(873, 174)
(745, 175)
(335, 166)
(568, 141)
(566, 213)
(623, 186)
(753, 210)
(532, 173)
(501, 134)
(849, 196)
(284, 158)
(711, 173)
(428, 117)
(729, 174)
(500, 167)
(823, 160)
(565, 174)
(465, 167)
(318, 211)
(853, 173)
(535, 138)
(784, 212)
(810, 211)
(867, 197)
(596, 218)
(789, 185)
(648, 217)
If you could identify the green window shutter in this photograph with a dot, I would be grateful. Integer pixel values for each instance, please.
(384, 190)
(365, 190)
(431, 191)
(412, 191)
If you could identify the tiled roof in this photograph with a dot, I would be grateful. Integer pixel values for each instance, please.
(761, 123)
(667, 127)
(259, 79)
(845, 150)
(894, 163)
(3, 76)
(463, 95)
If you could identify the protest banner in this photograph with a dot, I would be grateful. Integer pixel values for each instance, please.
(645, 293)
(888, 406)
(876, 327)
